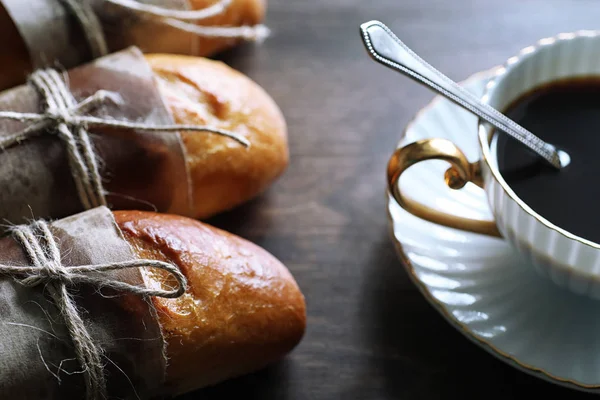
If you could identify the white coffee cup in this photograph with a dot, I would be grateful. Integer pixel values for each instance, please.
(569, 260)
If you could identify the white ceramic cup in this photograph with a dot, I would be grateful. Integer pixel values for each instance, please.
(569, 260)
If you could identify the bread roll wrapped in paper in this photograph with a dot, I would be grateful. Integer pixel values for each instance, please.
(190, 173)
(47, 33)
(241, 308)
(37, 352)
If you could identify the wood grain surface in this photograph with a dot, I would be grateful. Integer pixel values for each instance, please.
(371, 335)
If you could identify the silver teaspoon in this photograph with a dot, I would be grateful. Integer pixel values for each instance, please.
(385, 48)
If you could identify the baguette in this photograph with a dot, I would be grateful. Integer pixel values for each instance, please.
(243, 309)
(199, 91)
(16, 61)
(192, 173)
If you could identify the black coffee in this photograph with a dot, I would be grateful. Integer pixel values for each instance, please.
(566, 114)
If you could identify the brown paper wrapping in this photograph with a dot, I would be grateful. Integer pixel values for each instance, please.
(52, 35)
(34, 341)
(141, 170)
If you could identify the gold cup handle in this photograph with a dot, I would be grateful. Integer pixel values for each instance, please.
(460, 172)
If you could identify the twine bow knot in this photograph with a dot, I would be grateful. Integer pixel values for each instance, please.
(178, 19)
(58, 116)
(184, 20)
(46, 268)
(50, 271)
(67, 118)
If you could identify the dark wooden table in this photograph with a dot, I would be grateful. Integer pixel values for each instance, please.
(370, 334)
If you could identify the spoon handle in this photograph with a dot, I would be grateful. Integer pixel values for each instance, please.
(385, 48)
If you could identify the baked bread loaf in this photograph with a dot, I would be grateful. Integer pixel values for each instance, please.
(16, 63)
(192, 173)
(243, 309)
(224, 174)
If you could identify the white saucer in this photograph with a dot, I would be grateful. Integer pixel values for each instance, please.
(478, 283)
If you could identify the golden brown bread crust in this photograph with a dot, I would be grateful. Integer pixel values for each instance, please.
(239, 13)
(205, 92)
(243, 308)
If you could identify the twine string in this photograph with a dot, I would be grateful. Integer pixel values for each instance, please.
(82, 160)
(183, 20)
(46, 269)
(63, 116)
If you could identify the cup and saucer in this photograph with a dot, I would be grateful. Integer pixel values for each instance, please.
(515, 283)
